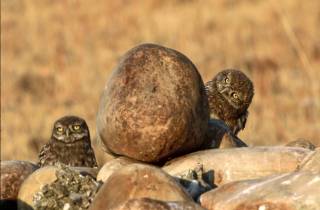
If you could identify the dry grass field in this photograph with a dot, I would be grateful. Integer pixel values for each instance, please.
(57, 55)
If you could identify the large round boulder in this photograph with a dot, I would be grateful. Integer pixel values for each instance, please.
(153, 106)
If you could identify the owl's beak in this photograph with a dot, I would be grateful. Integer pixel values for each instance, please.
(67, 132)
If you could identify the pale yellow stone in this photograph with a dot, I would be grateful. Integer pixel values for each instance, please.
(233, 164)
(33, 184)
(311, 162)
(289, 191)
(113, 165)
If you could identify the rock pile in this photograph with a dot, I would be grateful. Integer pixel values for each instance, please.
(154, 116)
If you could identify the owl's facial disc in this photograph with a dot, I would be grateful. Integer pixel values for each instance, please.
(233, 97)
(58, 131)
(70, 133)
(223, 82)
(225, 88)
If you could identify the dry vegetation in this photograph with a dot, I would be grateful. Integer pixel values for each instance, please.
(57, 55)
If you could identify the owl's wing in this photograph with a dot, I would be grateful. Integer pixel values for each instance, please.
(44, 155)
(208, 88)
(241, 122)
(92, 158)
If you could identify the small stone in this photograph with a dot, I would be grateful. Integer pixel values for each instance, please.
(303, 143)
(195, 181)
(66, 206)
(76, 197)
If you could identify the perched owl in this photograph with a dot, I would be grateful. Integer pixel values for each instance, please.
(229, 94)
(69, 144)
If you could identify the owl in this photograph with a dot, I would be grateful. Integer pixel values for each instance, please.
(230, 93)
(69, 144)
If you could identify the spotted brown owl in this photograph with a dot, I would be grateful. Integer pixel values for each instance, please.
(230, 93)
(70, 144)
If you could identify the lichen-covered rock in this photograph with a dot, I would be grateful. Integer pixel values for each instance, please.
(289, 191)
(13, 173)
(151, 204)
(220, 136)
(153, 106)
(113, 165)
(70, 190)
(227, 165)
(58, 187)
(138, 181)
(33, 184)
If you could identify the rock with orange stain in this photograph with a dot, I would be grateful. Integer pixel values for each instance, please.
(154, 105)
(151, 204)
(13, 173)
(138, 181)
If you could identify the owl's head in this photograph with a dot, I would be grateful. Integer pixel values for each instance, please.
(235, 87)
(70, 129)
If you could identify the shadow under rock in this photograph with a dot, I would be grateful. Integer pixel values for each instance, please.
(8, 204)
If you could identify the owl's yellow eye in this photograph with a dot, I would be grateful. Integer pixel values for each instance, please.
(227, 80)
(234, 95)
(59, 129)
(76, 127)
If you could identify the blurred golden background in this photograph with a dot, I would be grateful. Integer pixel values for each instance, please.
(57, 54)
